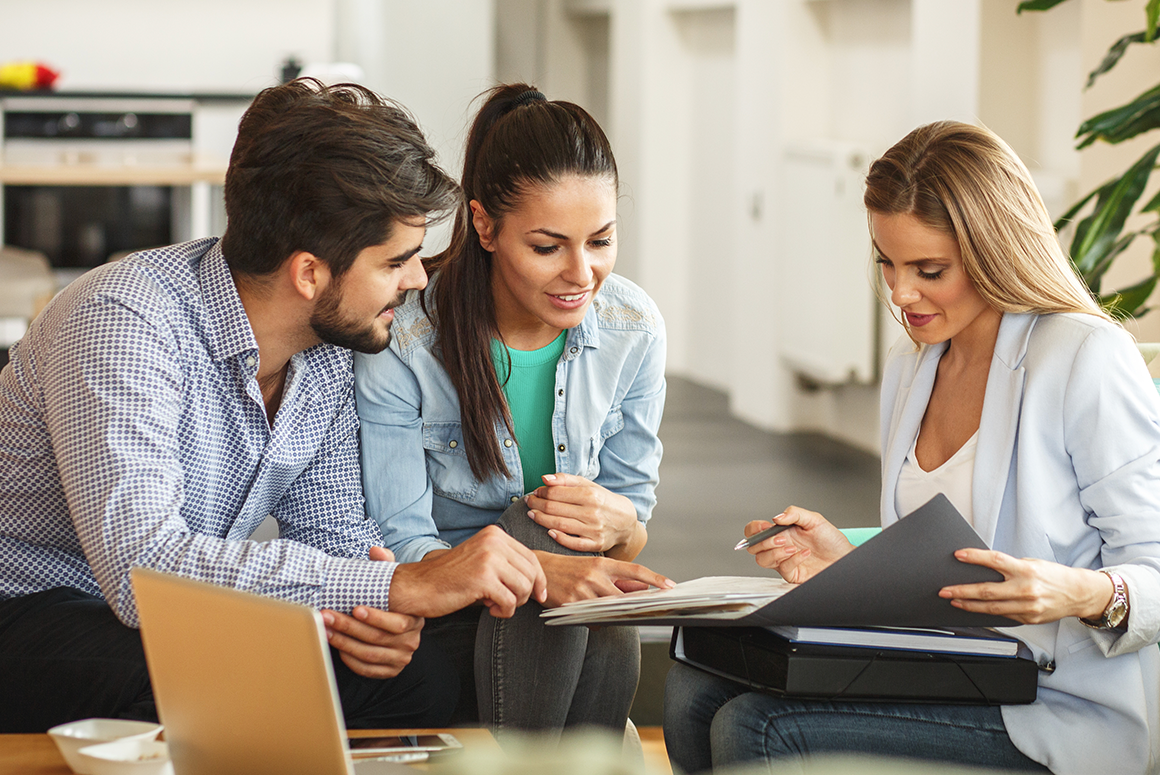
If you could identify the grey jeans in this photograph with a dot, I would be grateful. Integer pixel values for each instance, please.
(525, 676)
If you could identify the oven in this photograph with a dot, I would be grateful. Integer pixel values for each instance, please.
(88, 177)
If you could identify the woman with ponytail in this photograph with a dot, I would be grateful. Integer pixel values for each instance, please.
(524, 387)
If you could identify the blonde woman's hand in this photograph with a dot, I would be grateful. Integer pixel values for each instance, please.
(1032, 591)
(804, 550)
(584, 516)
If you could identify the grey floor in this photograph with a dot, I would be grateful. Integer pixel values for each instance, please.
(719, 473)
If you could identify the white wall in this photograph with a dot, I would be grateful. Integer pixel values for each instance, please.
(140, 45)
(700, 99)
(703, 98)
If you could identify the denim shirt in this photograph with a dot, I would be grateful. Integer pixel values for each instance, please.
(610, 393)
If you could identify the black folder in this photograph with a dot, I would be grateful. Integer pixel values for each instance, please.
(891, 580)
(765, 661)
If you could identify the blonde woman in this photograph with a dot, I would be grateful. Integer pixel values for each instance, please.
(1033, 413)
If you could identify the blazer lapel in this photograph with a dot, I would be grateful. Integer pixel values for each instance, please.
(999, 422)
(906, 421)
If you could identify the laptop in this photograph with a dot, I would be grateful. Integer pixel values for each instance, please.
(243, 683)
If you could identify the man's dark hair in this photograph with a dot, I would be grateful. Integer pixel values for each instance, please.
(326, 170)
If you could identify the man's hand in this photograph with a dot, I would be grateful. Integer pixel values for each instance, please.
(374, 643)
(490, 567)
(580, 578)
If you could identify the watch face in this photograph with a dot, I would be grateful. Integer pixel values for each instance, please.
(1117, 612)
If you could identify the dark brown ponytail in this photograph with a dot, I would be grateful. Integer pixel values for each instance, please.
(518, 141)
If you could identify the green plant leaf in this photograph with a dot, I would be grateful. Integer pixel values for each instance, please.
(1123, 123)
(1126, 302)
(1153, 205)
(1067, 217)
(1037, 5)
(1099, 237)
(1098, 234)
(1114, 54)
(1084, 254)
(1094, 277)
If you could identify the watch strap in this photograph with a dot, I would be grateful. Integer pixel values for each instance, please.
(1117, 609)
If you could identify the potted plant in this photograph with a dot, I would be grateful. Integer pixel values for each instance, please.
(1100, 235)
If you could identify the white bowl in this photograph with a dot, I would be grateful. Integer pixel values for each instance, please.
(128, 757)
(72, 737)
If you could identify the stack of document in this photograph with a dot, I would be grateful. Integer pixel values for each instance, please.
(712, 597)
(952, 640)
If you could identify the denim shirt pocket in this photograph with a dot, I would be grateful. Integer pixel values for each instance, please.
(447, 463)
(613, 424)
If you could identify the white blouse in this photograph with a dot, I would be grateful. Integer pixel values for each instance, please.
(953, 479)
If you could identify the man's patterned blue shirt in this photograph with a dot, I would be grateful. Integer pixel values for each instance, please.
(133, 432)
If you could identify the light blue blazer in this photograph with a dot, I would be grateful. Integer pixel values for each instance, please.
(1067, 469)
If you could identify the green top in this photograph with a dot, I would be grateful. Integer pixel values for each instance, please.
(860, 535)
(531, 397)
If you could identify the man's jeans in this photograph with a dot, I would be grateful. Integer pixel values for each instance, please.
(64, 656)
(528, 676)
(712, 722)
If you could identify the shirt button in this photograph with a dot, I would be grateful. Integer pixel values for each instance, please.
(561, 447)
(507, 442)
(250, 361)
(560, 392)
(453, 444)
(515, 498)
(574, 350)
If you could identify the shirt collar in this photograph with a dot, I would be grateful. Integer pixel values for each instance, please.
(587, 334)
(229, 331)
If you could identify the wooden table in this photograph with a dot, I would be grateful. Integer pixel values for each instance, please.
(38, 755)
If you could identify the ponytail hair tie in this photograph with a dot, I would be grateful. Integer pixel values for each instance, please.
(531, 95)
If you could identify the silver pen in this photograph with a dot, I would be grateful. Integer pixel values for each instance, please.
(757, 538)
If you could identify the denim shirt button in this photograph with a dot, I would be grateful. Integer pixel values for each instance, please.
(453, 444)
(515, 498)
(561, 448)
(507, 442)
(574, 350)
(560, 392)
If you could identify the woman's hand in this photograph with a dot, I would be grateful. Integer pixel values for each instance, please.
(1032, 591)
(583, 516)
(803, 551)
(373, 643)
(581, 578)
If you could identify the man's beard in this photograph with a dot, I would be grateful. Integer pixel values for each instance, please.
(333, 328)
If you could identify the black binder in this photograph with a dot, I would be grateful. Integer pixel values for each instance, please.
(765, 661)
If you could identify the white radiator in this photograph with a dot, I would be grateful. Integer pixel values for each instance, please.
(826, 303)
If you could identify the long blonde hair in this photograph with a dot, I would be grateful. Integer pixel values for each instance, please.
(965, 181)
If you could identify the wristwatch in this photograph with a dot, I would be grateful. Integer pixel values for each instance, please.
(1117, 610)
